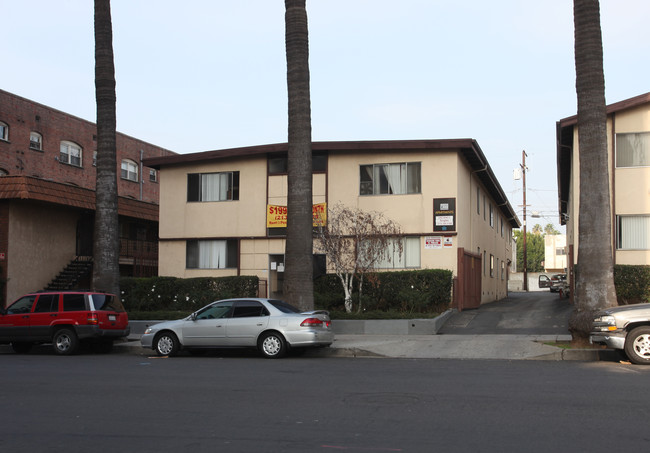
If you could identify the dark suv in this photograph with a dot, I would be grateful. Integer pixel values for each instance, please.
(64, 319)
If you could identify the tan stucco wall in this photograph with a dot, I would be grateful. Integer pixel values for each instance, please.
(630, 191)
(444, 175)
(39, 234)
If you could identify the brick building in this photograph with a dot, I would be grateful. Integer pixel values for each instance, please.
(47, 198)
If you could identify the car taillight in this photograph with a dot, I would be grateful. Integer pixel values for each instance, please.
(92, 318)
(312, 322)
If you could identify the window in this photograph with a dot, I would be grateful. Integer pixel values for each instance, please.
(484, 210)
(410, 257)
(484, 261)
(390, 179)
(211, 254)
(74, 302)
(129, 170)
(491, 265)
(633, 150)
(560, 251)
(4, 131)
(503, 270)
(70, 154)
(153, 175)
(216, 311)
(213, 186)
(633, 232)
(35, 141)
(249, 309)
(94, 158)
(47, 303)
(478, 201)
(491, 216)
(501, 218)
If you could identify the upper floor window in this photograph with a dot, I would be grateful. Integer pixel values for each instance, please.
(491, 216)
(129, 170)
(633, 150)
(70, 154)
(153, 175)
(390, 179)
(4, 131)
(35, 141)
(213, 186)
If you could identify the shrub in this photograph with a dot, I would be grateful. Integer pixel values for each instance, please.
(632, 284)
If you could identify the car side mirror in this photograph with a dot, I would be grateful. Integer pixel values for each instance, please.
(193, 316)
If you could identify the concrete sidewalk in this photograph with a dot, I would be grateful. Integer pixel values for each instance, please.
(486, 347)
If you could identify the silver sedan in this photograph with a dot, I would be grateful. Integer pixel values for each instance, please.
(272, 326)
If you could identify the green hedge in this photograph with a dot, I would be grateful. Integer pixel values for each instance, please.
(182, 294)
(632, 284)
(425, 291)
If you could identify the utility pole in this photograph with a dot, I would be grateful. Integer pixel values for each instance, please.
(523, 171)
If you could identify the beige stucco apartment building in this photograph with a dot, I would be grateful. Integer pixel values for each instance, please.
(628, 133)
(221, 211)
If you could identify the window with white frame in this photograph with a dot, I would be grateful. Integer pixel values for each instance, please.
(129, 170)
(35, 141)
(71, 153)
(633, 150)
(213, 186)
(390, 179)
(633, 232)
(409, 258)
(491, 215)
(4, 131)
(153, 175)
(211, 254)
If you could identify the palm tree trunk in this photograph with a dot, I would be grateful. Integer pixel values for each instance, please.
(106, 272)
(595, 273)
(298, 277)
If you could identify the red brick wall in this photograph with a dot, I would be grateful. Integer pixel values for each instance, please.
(16, 158)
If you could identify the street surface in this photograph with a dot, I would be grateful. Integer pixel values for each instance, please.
(237, 402)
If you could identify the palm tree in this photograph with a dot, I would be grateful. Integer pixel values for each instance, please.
(298, 276)
(106, 272)
(595, 271)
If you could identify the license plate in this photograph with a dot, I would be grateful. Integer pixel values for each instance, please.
(112, 318)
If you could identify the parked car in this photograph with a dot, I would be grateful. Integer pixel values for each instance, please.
(271, 326)
(555, 282)
(63, 319)
(626, 328)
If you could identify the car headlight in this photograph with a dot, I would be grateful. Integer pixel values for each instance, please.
(605, 319)
(148, 330)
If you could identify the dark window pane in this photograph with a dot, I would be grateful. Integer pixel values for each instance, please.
(193, 187)
(74, 302)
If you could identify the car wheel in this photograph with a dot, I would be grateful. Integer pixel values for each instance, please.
(637, 345)
(21, 348)
(167, 344)
(272, 345)
(65, 342)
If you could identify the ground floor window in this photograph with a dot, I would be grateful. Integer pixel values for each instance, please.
(211, 254)
(633, 232)
(409, 258)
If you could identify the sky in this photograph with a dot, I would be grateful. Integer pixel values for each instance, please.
(202, 75)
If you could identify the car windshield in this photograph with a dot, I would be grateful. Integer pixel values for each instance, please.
(284, 307)
(107, 302)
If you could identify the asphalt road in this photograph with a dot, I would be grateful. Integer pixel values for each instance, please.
(242, 403)
(532, 313)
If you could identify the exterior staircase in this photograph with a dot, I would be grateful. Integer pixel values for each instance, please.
(77, 270)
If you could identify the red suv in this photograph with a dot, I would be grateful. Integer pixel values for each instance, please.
(64, 319)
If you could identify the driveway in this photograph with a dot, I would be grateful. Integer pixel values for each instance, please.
(532, 313)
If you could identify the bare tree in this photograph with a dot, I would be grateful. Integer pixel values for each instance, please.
(106, 270)
(298, 275)
(355, 243)
(595, 272)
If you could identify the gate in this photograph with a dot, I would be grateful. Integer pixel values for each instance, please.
(468, 287)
